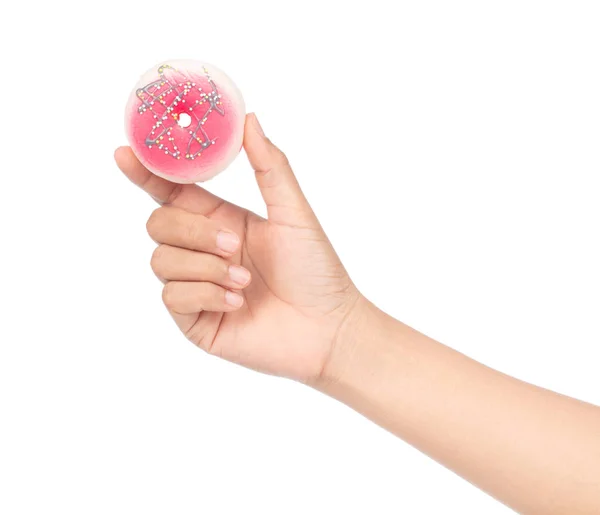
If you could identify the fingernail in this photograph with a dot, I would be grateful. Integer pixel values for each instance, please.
(227, 241)
(259, 128)
(239, 275)
(233, 299)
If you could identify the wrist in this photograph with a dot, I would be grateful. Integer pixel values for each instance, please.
(356, 341)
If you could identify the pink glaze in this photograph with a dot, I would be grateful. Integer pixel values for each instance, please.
(223, 124)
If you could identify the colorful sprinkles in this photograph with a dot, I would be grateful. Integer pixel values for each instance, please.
(165, 99)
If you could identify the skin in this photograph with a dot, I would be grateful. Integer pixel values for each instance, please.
(273, 295)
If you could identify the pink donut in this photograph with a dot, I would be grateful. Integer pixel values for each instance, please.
(185, 121)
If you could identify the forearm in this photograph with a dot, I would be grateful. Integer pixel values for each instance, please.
(534, 450)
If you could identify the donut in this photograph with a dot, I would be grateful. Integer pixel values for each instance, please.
(185, 121)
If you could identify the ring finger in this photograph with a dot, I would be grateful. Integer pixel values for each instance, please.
(176, 264)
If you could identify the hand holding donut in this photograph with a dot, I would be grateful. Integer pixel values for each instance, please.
(268, 294)
(273, 295)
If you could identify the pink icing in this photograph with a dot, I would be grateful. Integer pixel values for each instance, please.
(218, 127)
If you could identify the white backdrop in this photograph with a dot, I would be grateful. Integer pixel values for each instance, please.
(450, 150)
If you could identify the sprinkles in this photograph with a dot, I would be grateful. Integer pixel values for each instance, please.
(169, 94)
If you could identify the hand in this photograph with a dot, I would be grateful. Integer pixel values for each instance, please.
(270, 294)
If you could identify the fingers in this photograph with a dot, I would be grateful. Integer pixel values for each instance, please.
(186, 196)
(180, 228)
(175, 264)
(192, 260)
(280, 190)
(186, 298)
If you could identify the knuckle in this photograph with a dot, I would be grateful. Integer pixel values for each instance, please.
(216, 268)
(222, 269)
(169, 296)
(195, 228)
(154, 221)
(158, 258)
(191, 230)
(280, 160)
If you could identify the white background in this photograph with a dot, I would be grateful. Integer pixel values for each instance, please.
(450, 150)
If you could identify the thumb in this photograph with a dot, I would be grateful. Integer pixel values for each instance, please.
(286, 204)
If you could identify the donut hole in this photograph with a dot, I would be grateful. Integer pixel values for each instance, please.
(184, 120)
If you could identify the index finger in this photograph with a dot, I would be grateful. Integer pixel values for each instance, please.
(190, 197)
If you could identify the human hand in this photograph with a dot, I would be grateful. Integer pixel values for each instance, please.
(271, 294)
(296, 313)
